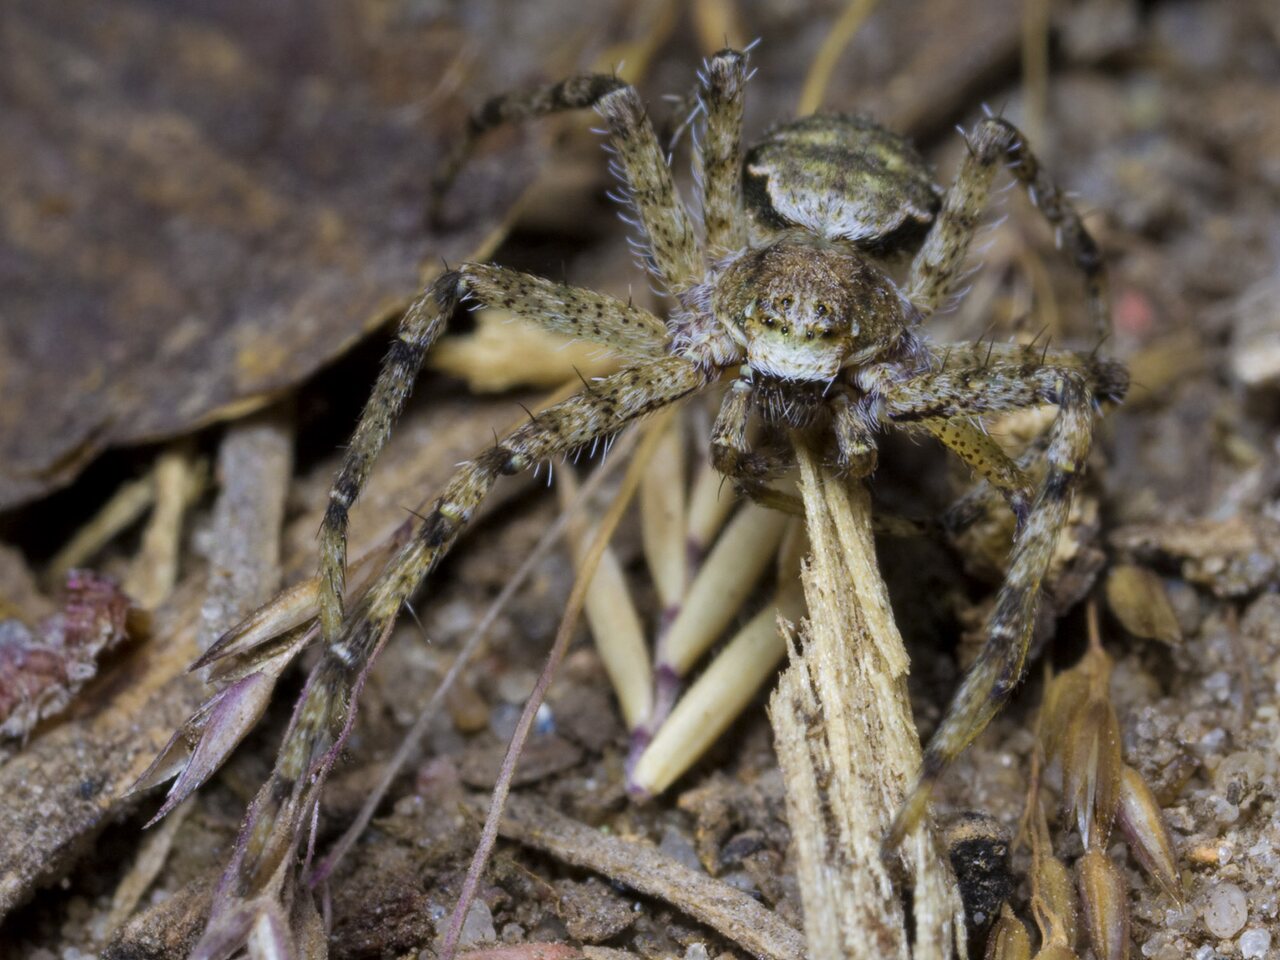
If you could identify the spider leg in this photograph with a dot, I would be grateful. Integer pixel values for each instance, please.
(856, 451)
(940, 261)
(1108, 380)
(731, 454)
(556, 306)
(420, 327)
(572, 311)
(985, 458)
(968, 392)
(719, 159)
(674, 255)
(573, 93)
(327, 703)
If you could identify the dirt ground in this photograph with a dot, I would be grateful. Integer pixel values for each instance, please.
(210, 218)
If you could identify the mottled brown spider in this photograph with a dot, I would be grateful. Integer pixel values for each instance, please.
(781, 283)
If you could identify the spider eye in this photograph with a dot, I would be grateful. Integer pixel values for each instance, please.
(786, 303)
(769, 322)
(808, 335)
(821, 310)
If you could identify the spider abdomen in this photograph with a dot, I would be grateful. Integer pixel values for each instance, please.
(841, 178)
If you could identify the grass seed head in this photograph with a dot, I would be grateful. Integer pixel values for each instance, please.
(1142, 823)
(1104, 894)
(1008, 939)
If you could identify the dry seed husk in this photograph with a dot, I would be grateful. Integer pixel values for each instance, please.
(1138, 599)
(1008, 939)
(1058, 895)
(1091, 765)
(1106, 905)
(1141, 820)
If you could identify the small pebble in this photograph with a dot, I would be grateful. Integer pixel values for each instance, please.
(1254, 944)
(478, 927)
(1226, 911)
(680, 848)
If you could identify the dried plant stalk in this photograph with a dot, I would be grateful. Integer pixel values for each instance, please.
(848, 747)
(612, 616)
(155, 570)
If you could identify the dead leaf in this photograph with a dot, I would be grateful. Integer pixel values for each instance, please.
(185, 236)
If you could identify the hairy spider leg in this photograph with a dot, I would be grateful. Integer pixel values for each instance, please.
(940, 262)
(668, 241)
(719, 159)
(973, 391)
(326, 705)
(565, 309)
(983, 455)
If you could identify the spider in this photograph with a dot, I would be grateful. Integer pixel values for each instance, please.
(783, 286)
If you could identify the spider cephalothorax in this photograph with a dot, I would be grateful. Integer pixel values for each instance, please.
(818, 259)
(804, 310)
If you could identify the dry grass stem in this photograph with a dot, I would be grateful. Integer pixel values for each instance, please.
(155, 569)
(718, 24)
(122, 509)
(611, 614)
(153, 851)
(833, 46)
(663, 512)
(1035, 68)
(568, 623)
(848, 747)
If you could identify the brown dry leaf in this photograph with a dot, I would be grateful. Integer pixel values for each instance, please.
(186, 235)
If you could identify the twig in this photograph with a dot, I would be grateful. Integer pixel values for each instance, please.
(736, 915)
(569, 622)
(847, 745)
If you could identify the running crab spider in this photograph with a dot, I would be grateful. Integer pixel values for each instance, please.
(782, 288)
